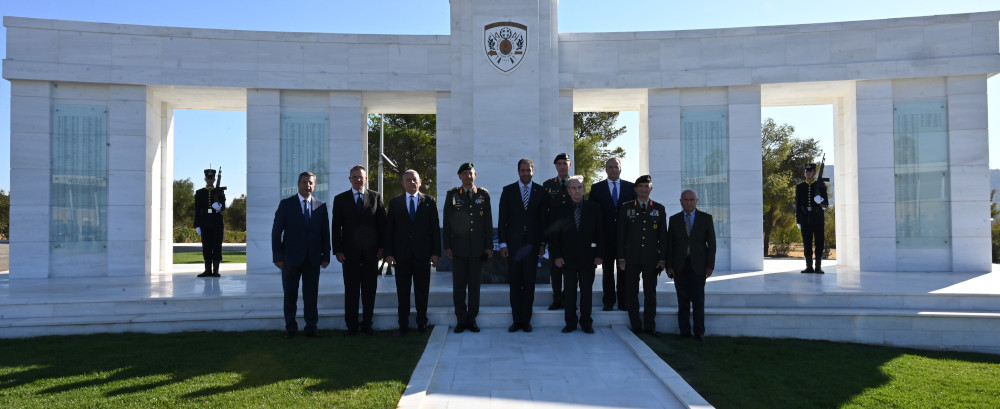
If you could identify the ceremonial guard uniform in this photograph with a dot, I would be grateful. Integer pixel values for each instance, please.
(559, 207)
(809, 215)
(642, 242)
(209, 203)
(468, 233)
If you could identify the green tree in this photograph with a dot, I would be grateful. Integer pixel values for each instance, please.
(592, 133)
(411, 142)
(4, 214)
(995, 226)
(183, 203)
(784, 158)
(236, 214)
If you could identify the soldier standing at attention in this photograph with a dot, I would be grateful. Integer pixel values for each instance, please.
(642, 251)
(559, 205)
(468, 241)
(209, 203)
(810, 200)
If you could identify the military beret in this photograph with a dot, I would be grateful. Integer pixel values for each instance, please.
(210, 173)
(810, 167)
(564, 156)
(644, 179)
(466, 166)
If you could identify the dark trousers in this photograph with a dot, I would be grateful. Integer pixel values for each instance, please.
(614, 290)
(584, 276)
(417, 270)
(360, 277)
(556, 278)
(211, 247)
(290, 276)
(809, 232)
(690, 288)
(521, 275)
(648, 273)
(466, 278)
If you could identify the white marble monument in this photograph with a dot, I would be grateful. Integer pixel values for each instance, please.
(92, 122)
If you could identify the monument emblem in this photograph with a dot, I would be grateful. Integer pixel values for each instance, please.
(505, 44)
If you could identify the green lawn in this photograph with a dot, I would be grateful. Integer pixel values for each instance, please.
(197, 258)
(207, 369)
(786, 373)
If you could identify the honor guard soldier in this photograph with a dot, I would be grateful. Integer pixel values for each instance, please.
(642, 250)
(810, 200)
(209, 203)
(468, 241)
(559, 205)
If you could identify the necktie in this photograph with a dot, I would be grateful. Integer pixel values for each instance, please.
(614, 193)
(577, 213)
(305, 210)
(413, 208)
(687, 223)
(644, 208)
(524, 198)
(360, 203)
(563, 183)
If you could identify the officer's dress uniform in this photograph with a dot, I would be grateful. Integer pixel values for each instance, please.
(211, 223)
(559, 207)
(468, 232)
(642, 242)
(809, 216)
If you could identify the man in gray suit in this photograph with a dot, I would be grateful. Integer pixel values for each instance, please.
(300, 245)
(691, 244)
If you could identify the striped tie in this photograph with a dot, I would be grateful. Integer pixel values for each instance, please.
(577, 212)
(524, 197)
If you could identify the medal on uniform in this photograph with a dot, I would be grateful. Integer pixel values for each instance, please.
(655, 226)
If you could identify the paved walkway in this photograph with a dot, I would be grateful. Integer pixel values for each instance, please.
(544, 369)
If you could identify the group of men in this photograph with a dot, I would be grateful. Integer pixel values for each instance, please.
(619, 228)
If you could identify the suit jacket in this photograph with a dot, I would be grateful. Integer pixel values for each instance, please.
(358, 235)
(468, 222)
(579, 247)
(701, 241)
(519, 227)
(293, 239)
(417, 239)
(642, 236)
(601, 194)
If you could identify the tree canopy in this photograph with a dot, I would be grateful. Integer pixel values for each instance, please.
(184, 203)
(784, 159)
(411, 142)
(592, 133)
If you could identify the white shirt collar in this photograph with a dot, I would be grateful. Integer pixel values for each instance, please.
(301, 198)
(358, 192)
(416, 196)
(524, 185)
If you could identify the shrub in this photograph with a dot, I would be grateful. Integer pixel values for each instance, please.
(230, 236)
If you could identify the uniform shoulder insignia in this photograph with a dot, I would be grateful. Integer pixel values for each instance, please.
(483, 189)
(454, 189)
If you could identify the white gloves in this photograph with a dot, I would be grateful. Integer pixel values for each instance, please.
(799, 226)
(818, 199)
(218, 207)
(197, 230)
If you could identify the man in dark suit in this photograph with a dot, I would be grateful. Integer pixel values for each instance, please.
(642, 252)
(691, 238)
(523, 209)
(300, 245)
(577, 248)
(209, 203)
(559, 203)
(468, 241)
(413, 244)
(611, 193)
(358, 241)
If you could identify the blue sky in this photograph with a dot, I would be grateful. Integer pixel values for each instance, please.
(200, 135)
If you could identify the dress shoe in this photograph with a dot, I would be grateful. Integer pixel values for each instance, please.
(699, 337)
(652, 332)
(608, 308)
(289, 334)
(555, 306)
(205, 274)
(514, 327)
(588, 329)
(818, 270)
(526, 327)
(567, 329)
(422, 328)
(368, 330)
(472, 327)
(351, 332)
(314, 334)
(808, 270)
(459, 328)
(216, 275)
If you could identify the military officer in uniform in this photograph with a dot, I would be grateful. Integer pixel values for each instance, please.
(642, 252)
(810, 200)
(209, 203)
(468, 241)
(559, 205)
